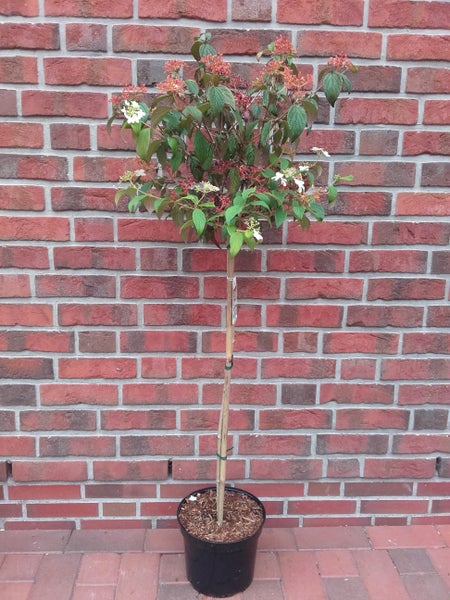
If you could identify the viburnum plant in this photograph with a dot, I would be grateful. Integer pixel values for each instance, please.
(219, 157)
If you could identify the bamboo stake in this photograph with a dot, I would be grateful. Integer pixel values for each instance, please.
(222, 435)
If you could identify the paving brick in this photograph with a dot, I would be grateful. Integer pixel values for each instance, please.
(379, 575)
(99, 569)
(19, 567)
(411, 560)
(36, 541)
(413, 536)
(299, 572)
(426, 586)
(138, 577)
(15, 591)
(266, 566)
(94, 592)
(55, 577)
(331, 537)
(345, 588)
(173, 591)
(444, 532)
(172, 569)
(277, 539)
(336, 563)
(107, 540)
(163, 540)
(440, 557)
(264, 590)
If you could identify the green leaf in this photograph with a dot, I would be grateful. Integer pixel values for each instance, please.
(193, 112)
(332, 194)
(231, 213)
(143, 143)
(298, 210)
(249, 153)
(176, 160)
(218, 96)
(158, 114)
(192, 86)
(199, 220)
(203, 150)
(280, 216)
(332, 86)
(265, 131)
(236, 241)
(296, 119)
(317, 210)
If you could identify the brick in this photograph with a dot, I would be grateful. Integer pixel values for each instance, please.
(48, 471)
(159, 287)
(393, 506)
(440, 262)
(86, 368)
(292, 315)
(373, 142)
(404, 14)
(286, 419)
(90, 37)
(95, 8)
(358, 368)
(159, 368)
(363, 203)
(66, 510)
(426, 47)
(21, 197)
(64, 104)
(384, 316)
(287, 469)
(23, 135)
(76, 198)
(145, 230)
(34, 167)
(66, 136)
(27, 8)
(53, 446)
(193, 368)
(36, 36)
(300, 288)
(163, 9)
(300, 341)
(17, 446)
(381, 78)
(389, 261)
(148, 38)
(438, 316)
(428, 585)
(298, 445)
(331, 13)
(94, 257)
(245, 341)
(369, 488)
(321, 507)
(8, 103)
(343, 467)
(421, 444)
(45, 492)
(138, 419)
(328, 233)
(26, 368)
(132, 470)
(37, 341)
(422, 394)
(97, 314)
(24, 257)
(435, 112)
(18, 69)
(153, 445)
(374, 111)
(240, 11)
(306, 569)
(40, 315)
(75, 286)
(436, 174)
(160, 259)
(96, 229)
(371, 564)
(207, 419)
(430, 369)
(298, 367)
(352, 444)
(356, 393)
(364, 342)
(120, 490)
(391, 174)
(231, 41)
(421, 343)
(48, 420)
(160, 393)
(89, 71)
(325, 43)
(396, 468)
(427, 80)
(17, 394)
(409, 233)
(14, 286)
(425, 142)
(137, 572)
(373, 418)
(405, 289)
(97, 342)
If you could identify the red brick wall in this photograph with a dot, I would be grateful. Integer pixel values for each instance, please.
(110, 328)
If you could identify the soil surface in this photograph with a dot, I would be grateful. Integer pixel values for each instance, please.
(242, 516)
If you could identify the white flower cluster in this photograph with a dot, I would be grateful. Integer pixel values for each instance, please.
(132, 111)
(204, 187)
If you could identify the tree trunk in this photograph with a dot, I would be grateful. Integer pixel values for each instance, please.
(222, 435)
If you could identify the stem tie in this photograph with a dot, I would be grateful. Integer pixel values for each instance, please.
(228, 367)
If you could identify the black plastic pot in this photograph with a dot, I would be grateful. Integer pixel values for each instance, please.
(220, 569)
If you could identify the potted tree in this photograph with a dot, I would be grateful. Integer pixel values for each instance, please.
(219, 157)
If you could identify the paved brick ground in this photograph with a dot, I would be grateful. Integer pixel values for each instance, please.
(333, 563)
